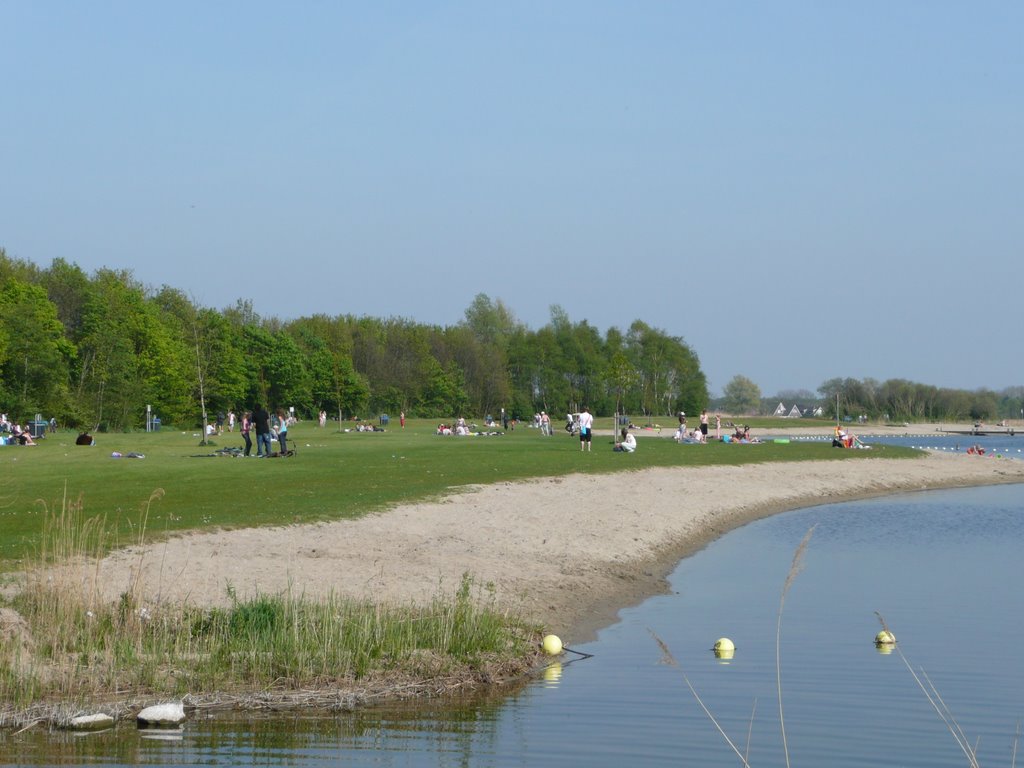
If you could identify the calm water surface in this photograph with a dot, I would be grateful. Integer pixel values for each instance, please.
(1003, 445)
(943, 568)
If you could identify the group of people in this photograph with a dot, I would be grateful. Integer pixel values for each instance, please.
(19, 434)
(542, 421)
(845, 439)
(460, 428)
(222, 419)
(700, 433)
(258, 422)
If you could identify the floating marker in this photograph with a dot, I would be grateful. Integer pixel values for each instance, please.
(551, 644)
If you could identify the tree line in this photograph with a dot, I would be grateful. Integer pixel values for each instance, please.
(891, 400)
(93, 350)
(903, 400)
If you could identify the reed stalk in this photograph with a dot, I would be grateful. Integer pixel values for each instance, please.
(670, 660)
(931, 693)
(795, 567)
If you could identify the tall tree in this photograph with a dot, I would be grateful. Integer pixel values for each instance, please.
(741, 395)
(34, 354)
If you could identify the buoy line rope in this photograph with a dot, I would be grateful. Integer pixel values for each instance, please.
(581, 654)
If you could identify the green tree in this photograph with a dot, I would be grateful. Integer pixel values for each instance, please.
(444, 392)
(741, 395)
(285, 369)
(68, 287)
(126, 356)
(621, 377)
(212, 364)
(670, 376)
(34, 354)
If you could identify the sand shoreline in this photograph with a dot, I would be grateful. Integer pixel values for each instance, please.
(566, 552)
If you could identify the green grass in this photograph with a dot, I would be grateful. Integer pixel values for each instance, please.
(334, 475)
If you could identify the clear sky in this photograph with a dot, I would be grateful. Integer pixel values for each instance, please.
(800, 190)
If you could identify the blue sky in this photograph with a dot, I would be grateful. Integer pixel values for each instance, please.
(800, 190)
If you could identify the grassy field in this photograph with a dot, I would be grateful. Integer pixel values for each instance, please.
(333, 475)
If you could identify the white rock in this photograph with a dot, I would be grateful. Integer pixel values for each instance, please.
(172, 713)
(91, 722)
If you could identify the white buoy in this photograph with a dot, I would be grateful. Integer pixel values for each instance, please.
(162, 715)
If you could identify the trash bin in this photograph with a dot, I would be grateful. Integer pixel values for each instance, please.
(37, 428)
(384, 419)
(156, 424)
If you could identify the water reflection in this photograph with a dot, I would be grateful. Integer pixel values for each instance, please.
(724, 655)
(453, 727)
(552, 674)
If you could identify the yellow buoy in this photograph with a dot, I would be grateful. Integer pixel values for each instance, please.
(552, 645)
(724, 645)
(885, 637)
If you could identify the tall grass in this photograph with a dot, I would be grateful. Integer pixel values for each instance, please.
(75, 649)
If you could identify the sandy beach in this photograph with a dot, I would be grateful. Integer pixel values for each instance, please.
(566, 552)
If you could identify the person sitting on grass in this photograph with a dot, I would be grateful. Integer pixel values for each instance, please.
(627, 444)
(84, 439)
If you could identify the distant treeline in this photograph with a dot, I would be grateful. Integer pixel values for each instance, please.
(95, 350)
(896, 400)
(902, 400)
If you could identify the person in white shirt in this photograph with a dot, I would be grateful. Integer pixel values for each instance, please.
(586, 423)
(628, 443)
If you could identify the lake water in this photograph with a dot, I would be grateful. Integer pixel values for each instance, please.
(942, 567)
(1004, 445)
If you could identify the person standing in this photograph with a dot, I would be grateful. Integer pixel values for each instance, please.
(261, 422)
(586, 426)
(704, 425)
(401, 418)
(282, 431)
(718, 426)
(246, 428)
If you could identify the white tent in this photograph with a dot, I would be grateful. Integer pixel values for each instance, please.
(780, 410)
(794, 413)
